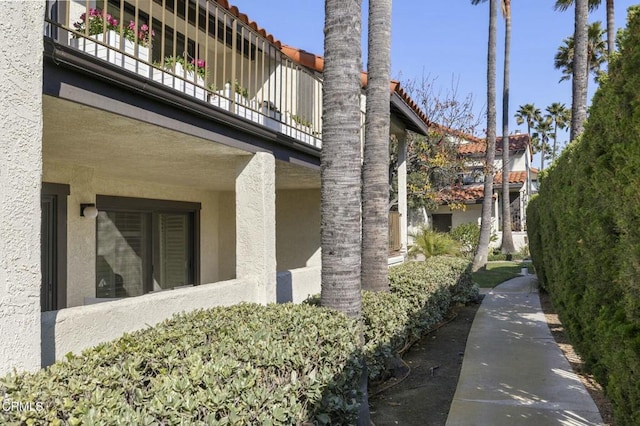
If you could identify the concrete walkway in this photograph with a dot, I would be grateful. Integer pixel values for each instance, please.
(513, 372)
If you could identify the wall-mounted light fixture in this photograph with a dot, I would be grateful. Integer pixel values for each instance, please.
(88, 210)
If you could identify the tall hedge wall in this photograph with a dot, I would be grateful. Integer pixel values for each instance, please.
(584, 231)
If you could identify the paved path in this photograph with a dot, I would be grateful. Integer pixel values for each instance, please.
(513, 371)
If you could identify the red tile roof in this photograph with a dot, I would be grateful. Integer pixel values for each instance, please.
(466, 195)
(518, 142)
(245, 19)
(514, 177)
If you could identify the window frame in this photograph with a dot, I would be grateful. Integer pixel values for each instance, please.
(154, 207)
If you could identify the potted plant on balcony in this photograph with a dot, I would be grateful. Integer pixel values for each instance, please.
(114, 39)
(187, 75)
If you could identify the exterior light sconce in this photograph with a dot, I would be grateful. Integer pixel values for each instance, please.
(88, 210)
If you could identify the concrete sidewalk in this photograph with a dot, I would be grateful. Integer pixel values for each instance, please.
(513, 372)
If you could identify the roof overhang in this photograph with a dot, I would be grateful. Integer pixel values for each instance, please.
(407, 115)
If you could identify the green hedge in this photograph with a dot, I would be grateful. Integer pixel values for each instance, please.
(246, 364)
(421, 295)
(584, 231)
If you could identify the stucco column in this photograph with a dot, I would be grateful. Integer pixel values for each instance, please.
(256, 224)
(20, 183)
(402, 190)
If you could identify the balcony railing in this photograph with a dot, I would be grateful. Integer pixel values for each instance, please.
(200, 49)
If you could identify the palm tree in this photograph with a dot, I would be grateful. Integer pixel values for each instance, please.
(596, 49)
(543, 131)
(529, 114)
(341, 168)
(340, 161)
(580, 69)
(507, 236)
(375, 171)
(480, 258)
(563, 5)
(560, 116)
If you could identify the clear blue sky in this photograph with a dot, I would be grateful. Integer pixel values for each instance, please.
(447, 40)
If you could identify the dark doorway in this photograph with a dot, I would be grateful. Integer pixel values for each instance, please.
(441, 222)
(53, 246)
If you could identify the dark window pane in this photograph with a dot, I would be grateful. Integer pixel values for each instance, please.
(123, 253)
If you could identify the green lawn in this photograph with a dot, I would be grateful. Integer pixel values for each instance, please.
(496, 273)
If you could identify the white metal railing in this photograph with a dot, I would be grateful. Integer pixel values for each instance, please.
(201, 49)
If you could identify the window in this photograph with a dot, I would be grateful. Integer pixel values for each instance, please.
(145, 245)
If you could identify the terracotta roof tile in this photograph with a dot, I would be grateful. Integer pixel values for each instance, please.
(514, 177)
(245, 19)
(517, 142)
(465, 194)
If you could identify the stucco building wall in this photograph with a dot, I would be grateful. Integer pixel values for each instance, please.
(20, 172)
(85, 184)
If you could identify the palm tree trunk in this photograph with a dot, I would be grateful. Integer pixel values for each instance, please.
(555, 139)
(340, 159)
(580, 69)
(611, 31)
(507, 236)
(480, 258)
(341, 167)
(375, 171)
(543, 140)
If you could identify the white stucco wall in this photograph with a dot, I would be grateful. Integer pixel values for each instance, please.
(85, 183)
(297, 285)
(79, 328)
(20, 173)
(297, 228)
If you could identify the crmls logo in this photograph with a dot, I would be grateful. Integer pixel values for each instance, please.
(10, 405)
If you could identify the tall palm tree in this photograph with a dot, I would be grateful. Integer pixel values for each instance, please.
(340, 161)
(507, 236)
(596, 51)
(341, 168)
(560, 116)
(480, 258)
(580, 69)
(543, 131)
(563, 5)
(375, 171)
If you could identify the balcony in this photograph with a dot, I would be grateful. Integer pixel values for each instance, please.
(203, 51)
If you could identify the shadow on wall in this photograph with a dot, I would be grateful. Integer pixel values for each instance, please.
(284, 287)
(48, 337)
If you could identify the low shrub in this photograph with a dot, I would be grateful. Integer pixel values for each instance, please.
(432, 243)
(430, 288)
(245, 364)
(467, 235)
(385, 316)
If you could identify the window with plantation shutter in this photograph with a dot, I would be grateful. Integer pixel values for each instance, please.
(174, 250)
(145, 245)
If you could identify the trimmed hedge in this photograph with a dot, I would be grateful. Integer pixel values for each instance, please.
(421, 295)
(246, 364)
(584, 231)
